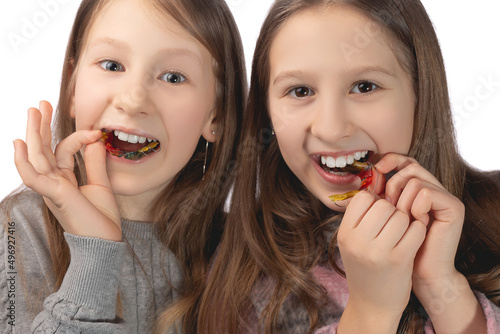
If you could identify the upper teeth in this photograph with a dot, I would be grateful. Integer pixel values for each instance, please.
(341, 162)
(133, 139)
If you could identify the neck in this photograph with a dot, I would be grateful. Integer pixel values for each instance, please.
(136, 208)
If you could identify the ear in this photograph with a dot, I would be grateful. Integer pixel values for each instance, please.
(210, 130)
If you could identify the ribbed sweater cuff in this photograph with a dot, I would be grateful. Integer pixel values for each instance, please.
(92, 276)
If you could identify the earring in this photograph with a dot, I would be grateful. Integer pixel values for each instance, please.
(205, 162)
(272, 132)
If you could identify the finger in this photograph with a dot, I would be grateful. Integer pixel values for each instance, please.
(357, 208)
(393, 161)
(412, 240)
(45, 131)
(443, 206)
(33, 138)
(395, 228)
(378, 183)
(375, 219)
(67, 148)
(408, 196)
(398, 182)
(31, 178)
(42, 160)
(95, 164)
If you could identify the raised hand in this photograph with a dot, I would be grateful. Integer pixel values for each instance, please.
(90, 210)
(378, 244)
(419, 194)
(443, 291)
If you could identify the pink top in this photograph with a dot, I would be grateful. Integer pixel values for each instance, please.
(336, 287)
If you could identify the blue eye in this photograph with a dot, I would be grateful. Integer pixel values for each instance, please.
(365, 87)
(301, 92)
(173, 77)
(112, 66)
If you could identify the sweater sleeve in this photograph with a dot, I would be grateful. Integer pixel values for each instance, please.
(86, 300)
(492, 313)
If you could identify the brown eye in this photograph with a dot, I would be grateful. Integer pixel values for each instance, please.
(301, 92)
(364, 87)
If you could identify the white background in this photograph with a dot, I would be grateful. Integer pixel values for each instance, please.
(30, 71)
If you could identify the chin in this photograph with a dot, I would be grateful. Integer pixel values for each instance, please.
(123, 186)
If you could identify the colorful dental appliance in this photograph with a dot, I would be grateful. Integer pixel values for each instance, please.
(361, 169)
(107, 138)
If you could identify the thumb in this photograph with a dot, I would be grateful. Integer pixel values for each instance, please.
(95, 164)
(67, 148)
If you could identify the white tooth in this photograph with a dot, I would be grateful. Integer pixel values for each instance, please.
(330, 162)
(123, 136)
(149, 140)
(142, 140)
(323, 160)
(116, 132)
(133, 139)
(340, 162)
(350, 159)
(357, 155)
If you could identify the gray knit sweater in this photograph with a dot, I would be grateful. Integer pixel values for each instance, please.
(99, 271)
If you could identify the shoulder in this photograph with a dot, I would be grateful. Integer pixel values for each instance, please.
(24, 206)
(23, 215)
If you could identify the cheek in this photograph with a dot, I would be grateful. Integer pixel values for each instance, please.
(392, 129)
(89, 102)
(284, 117)
(184, 123)
(184, 117)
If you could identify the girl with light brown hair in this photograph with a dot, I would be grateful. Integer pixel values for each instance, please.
(338, 84)
(150, 105)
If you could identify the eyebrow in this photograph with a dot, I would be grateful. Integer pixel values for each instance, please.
(300, 75)
(370, 69)
(107, 41)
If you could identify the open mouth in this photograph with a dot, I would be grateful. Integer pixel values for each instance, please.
(344, 165)
(356, 164)
(131, 147)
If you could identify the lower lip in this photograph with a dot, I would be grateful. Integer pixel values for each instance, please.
(333, 178)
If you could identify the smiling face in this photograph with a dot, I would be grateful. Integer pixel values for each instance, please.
(144, 82)
(337, 93)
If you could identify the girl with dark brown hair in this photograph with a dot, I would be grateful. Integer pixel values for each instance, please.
(150, 106)
(338, 84)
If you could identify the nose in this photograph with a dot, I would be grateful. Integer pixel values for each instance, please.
(331, 120)
(132, 95)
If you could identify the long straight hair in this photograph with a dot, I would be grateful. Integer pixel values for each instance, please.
(189, 211)
(276, 227)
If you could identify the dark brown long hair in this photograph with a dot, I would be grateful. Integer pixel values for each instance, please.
(276, 226)
(189, 212)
